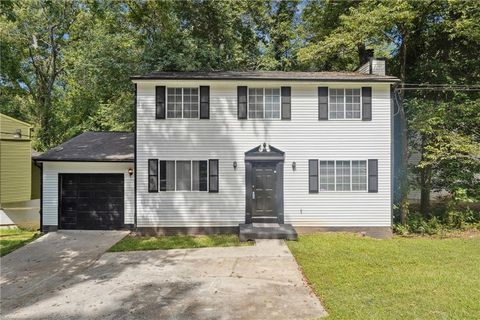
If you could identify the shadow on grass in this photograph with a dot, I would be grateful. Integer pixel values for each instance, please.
(138, 243)
(12, 239)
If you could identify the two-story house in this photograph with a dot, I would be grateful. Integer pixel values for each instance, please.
(213, 151)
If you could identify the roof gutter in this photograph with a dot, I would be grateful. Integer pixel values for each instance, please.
(387, 80)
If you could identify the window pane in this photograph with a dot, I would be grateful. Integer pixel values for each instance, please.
(343, 175)
(327, 176)
(255, 103)
(190, 102)
(359, 175)
(199, 175)
(195, 176)
(337, 107)
(174, 102)
(352, 105)
(272, 103)
(170, 175)
(184, 176)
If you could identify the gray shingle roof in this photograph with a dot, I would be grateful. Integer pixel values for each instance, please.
(94, 146)
(266, 75)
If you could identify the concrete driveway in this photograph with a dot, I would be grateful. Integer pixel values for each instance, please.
(42, 266)
(258, 282)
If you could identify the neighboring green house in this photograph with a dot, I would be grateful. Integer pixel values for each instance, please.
(15, 160)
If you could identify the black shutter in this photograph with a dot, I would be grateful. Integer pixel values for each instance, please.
(204, 102)
(286, 103)
(160, 102)
(152, 175)
(366, 103)
(163, 175)
(213, 175)
(313, 176)
(372, 175)
(322, 103)
(242, 102)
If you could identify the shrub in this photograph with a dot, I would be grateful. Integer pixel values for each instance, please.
(442, 222)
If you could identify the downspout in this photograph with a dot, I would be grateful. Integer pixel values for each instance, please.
(392, 151)
(135, 163)
(40, 166)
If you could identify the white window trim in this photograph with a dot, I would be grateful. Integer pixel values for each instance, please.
(263, 92)
(182, 117)
(345, 106)
(335, 176)
(191, 176)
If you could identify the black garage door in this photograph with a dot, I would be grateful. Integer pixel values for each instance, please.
(91, 201)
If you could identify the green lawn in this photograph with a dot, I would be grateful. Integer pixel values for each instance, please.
(136, 243)
(401, 278)
(12, 239)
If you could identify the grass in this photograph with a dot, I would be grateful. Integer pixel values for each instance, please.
(137, 243)
(401, 278)
(12, 239)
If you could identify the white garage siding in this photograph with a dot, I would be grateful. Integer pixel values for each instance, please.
(226, 138)
(50, 185)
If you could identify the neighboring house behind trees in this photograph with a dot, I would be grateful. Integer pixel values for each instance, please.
(15, 160)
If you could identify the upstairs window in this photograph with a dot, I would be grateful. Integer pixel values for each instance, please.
(264, 103)
(182, 103)
(345, 104)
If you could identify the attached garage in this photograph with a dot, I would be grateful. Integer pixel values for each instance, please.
(88, 183)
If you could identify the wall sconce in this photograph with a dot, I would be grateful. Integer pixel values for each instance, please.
(234, 165)
(130, 171)
(294, 165)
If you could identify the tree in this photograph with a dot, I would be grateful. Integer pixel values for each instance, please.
(411, 33)
(35, 36)
(279, 40)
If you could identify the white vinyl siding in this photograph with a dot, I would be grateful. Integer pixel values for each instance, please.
(50, 185)
(226, 138)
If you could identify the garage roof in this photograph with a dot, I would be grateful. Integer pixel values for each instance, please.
(94, 146)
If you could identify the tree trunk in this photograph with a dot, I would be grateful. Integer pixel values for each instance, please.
(425, 189)
(425, 184)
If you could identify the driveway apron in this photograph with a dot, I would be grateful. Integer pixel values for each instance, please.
(48, 262)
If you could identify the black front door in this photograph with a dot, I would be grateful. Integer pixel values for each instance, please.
(264, 192)
(91, 201)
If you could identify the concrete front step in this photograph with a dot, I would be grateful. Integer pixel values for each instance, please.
(266, 231)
